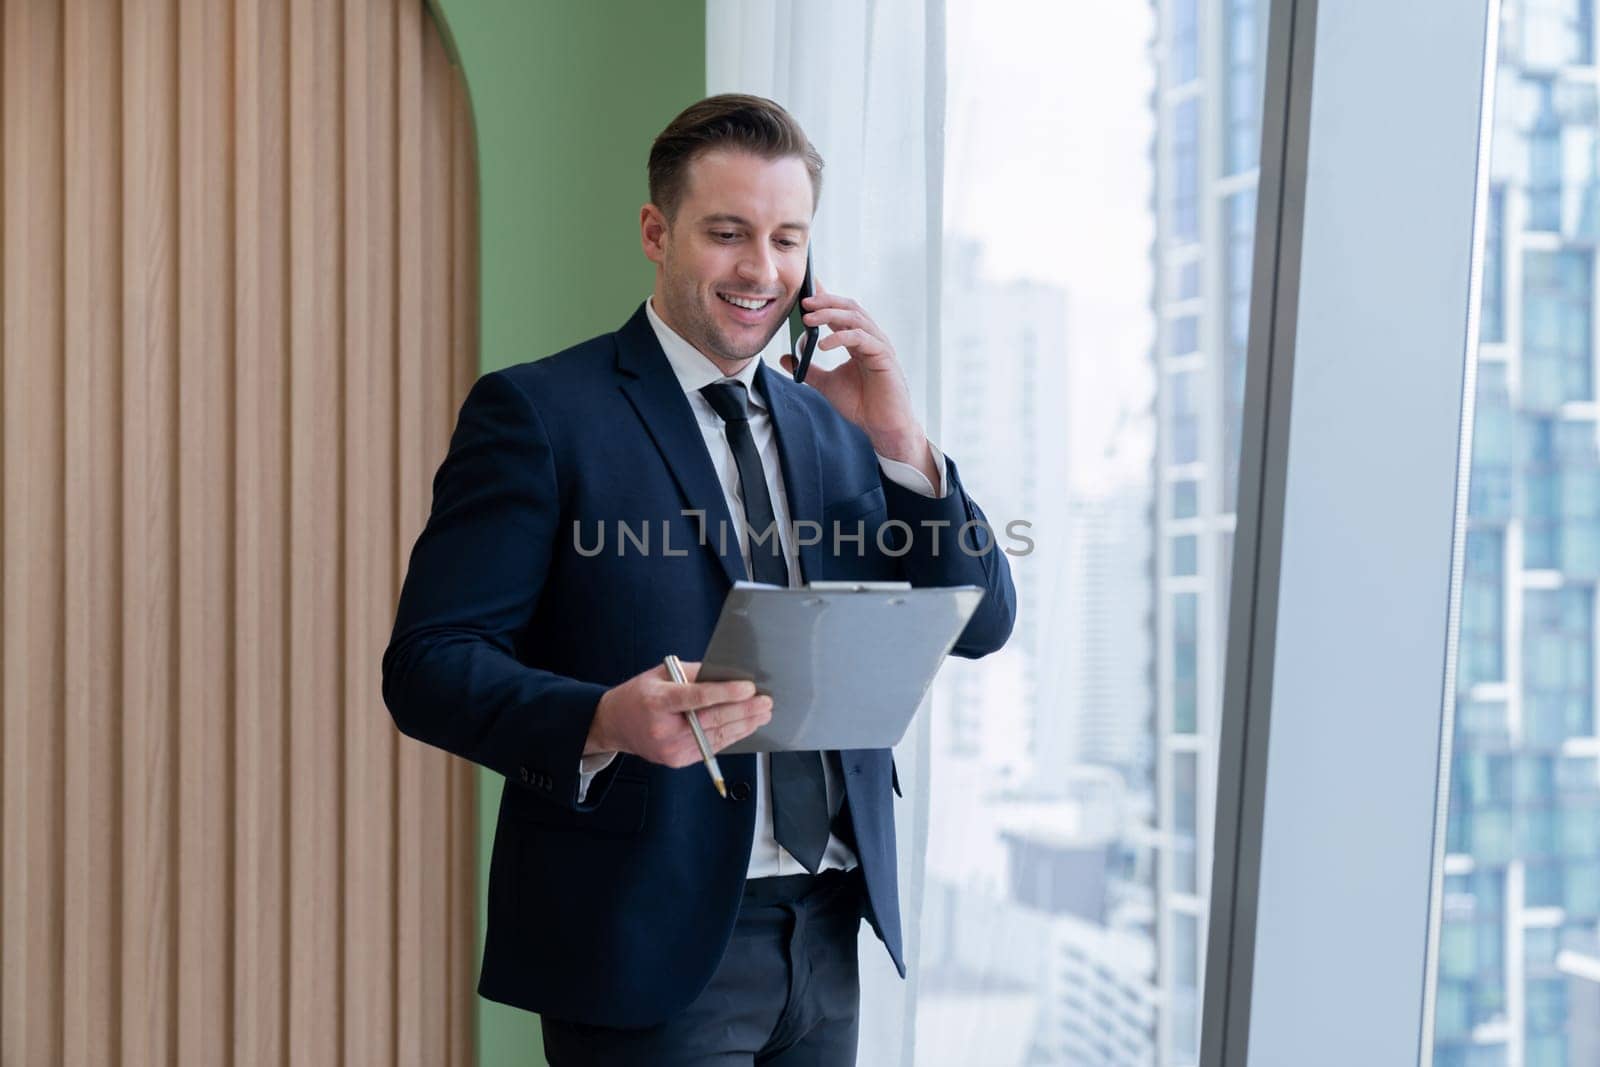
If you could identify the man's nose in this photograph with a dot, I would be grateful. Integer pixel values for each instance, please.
(760, 267)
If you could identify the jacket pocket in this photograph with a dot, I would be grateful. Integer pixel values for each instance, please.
(856, 506)
(620, 811)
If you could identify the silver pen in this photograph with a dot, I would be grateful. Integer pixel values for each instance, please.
(675, 669)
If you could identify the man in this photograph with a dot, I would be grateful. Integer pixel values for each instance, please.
(646, 918)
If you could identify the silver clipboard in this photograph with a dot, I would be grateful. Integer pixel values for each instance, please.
(846, 664)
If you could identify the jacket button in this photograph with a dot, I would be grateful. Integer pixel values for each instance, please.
(739, 791)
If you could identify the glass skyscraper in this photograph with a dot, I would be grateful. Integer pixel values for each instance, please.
(1519, 977)
(1208, 58)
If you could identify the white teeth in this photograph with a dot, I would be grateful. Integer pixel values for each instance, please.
(748, 305)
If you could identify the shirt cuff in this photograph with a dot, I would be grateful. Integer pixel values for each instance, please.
(591, 765)
(908, 477)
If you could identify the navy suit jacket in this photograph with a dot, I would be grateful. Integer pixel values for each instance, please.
(617, 910)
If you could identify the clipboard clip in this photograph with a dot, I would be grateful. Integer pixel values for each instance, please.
(859, 587)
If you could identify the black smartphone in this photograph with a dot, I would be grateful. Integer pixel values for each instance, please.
(803, 338)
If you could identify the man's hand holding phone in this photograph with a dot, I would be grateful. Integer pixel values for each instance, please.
(870, 388)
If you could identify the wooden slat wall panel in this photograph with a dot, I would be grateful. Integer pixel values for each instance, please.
(260, 962)
(238, 278)
(462, 792)
(31, 634)
(368, 743)
(205, 508)
(92, 248)
(315, 831)
(149, 538)
(409, 962)
(377, 755)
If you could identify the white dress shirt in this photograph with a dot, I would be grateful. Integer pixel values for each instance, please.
(694, 371)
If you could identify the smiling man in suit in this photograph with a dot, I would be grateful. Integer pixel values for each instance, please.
(647, 919)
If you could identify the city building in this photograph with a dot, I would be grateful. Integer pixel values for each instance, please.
(1208, 116)
(1003, 386)
(1049, 952)
(1104, 675)
(1522, 872)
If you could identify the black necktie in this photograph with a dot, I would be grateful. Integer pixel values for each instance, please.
(799, 790)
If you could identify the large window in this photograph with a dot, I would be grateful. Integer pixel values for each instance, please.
(1073, 773)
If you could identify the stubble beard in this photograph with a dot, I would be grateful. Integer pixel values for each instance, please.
(700, 328)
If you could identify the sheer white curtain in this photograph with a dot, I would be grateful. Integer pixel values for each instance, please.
(866, 80)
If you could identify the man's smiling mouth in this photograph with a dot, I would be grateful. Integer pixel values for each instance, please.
(745, 302)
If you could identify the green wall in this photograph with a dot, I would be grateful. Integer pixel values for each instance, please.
(566, 97)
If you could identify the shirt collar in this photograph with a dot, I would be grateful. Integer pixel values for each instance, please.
(692, 369)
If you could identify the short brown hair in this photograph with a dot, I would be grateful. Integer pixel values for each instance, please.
(731, 120)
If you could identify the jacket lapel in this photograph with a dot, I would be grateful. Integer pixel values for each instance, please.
(654, 392)
(801, 460)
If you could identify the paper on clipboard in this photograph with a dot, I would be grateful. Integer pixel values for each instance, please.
(847, 664)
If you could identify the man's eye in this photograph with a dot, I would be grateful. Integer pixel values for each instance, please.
(725, 235)
(790, 244)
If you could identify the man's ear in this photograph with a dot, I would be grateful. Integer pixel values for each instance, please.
(653, 232)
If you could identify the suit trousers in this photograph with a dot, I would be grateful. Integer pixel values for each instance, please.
(786, 993)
